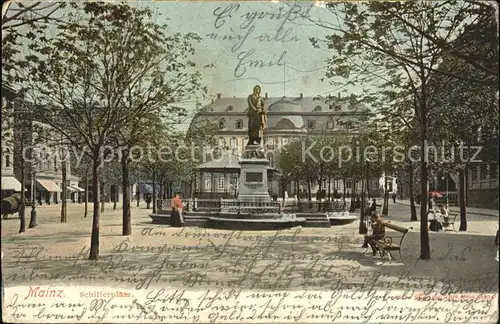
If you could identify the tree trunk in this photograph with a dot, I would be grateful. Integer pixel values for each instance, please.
(466, 191)
(385, 209)
(309, 192)
(64, 205)
(138, 195)
(283, 188)
(115, 196)
(362, 225)
(413, 209)
(22, 204)
(102, 197)
(126, 217)
(461, 197)
(86, 195)
(425, 251)
(367, 184)
(353, 195)
(153, 200)
(94, 241)
(345, 189)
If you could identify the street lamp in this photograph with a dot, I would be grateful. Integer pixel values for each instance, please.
(33, 221)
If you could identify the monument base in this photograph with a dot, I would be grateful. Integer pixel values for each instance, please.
(253, 186)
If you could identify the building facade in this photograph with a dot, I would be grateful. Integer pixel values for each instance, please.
(9, 184)
(42, 175)
(289, 119)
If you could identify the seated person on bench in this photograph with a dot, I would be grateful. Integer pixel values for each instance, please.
(444, 212)
(378, 232)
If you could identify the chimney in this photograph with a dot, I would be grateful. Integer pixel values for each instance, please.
(265, 96)
(219, 95)
(301, 96)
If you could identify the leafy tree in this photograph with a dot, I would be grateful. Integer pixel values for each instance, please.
(457, 100)
(22, 23)
(392, 60)
(108, 65)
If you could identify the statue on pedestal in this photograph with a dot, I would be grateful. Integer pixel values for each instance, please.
(257, 117)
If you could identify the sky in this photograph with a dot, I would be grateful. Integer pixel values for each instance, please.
(235, 34)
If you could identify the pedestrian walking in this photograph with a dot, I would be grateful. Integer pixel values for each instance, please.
(394, 197)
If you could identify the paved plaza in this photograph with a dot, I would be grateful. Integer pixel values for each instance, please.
(295, 260)
(53, 246)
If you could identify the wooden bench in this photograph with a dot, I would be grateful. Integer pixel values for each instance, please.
(452, 217)
(386, 245)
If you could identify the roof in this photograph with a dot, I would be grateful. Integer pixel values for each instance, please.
(228, 162)
(304, 104)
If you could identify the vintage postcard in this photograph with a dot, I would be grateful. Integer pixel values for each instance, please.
(250, 162)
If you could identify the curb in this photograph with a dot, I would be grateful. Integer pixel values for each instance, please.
(458, 211)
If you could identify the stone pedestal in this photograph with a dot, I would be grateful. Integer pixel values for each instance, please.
(253, 186)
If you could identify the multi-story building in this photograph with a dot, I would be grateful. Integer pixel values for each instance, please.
(9, 183)
(42, 177)
(288, 119)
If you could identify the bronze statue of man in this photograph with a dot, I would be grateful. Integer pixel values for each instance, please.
(257, 117)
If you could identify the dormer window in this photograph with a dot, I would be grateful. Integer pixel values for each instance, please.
(317, 108)
(229, 108)
(239, 124)
(335, 107)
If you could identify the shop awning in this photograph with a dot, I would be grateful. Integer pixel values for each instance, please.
(49, 185)
(11, 183)
(77, 189)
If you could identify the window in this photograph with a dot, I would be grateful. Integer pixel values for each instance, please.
(270, 140)
(330, 124)
(483, 171)
(222, 122)
(348, 184)
(8, 163)
(222, 183)
(335, 184)
(284, 141)
(310, 124)
(208, 184)
(222, 142)
(229, 108)
(493, 171)
(317, 108)
(324, 184)
(473, 173)
(233, 142)
(239, 124)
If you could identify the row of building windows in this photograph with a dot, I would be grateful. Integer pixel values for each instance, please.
(311, 124)
(235, 142)
(481, 172)
(317, 108)
(222, 182)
